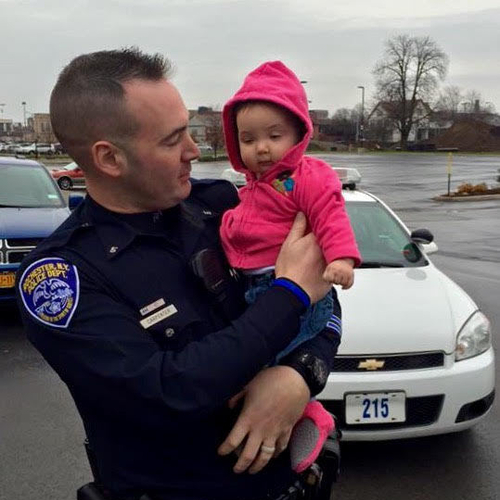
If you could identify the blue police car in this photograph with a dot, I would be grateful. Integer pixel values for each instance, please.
(31, 207)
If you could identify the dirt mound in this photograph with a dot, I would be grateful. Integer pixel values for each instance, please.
(470, 135)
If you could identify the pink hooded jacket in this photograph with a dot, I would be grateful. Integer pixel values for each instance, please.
(252, 232)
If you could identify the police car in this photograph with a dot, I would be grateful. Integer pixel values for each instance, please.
(416, 357)
(31, 207)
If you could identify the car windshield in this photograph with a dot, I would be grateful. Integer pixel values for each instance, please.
(381, 239)
(27, 186)
(71, 166)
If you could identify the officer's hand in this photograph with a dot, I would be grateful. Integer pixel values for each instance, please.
(274, 401)
(300, 259)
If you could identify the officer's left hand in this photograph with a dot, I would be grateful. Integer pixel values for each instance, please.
(274, 401)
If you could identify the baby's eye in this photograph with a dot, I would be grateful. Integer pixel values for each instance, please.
(246, 141)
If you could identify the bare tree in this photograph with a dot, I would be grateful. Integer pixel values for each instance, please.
(449, 101)
(344, 123)
(474, 103)
(408, 72)
(453, 100)
(214, 132)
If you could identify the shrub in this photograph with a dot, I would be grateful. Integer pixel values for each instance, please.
(468, 188)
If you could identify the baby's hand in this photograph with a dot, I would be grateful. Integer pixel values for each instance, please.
(340, 272)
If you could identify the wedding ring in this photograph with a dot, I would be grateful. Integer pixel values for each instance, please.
(267, 449)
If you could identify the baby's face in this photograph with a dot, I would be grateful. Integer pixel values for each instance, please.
(265, 134)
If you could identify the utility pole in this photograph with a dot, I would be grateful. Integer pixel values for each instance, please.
(24, 113)
(303, 82)
(362, 118)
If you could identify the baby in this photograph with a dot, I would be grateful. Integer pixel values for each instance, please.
(267, 129)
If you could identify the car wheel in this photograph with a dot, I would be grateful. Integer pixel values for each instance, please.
(65, 183)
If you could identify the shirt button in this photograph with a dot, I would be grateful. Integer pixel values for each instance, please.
(169, 332)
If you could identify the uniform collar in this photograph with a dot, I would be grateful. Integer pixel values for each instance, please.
(117, 231)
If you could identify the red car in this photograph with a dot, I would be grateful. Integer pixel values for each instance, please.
(70, 176)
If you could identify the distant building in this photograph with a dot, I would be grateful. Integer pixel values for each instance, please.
(42, 128)
(6, 126)
(427, 123)
(318, 114)
(322, 125)
(202, 122)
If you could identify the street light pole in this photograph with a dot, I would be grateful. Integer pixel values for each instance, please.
(24, 112)
(362, 120)
(303, 82)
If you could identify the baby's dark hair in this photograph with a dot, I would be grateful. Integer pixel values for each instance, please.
(297, 122)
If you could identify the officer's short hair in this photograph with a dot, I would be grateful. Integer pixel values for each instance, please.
(87, 103)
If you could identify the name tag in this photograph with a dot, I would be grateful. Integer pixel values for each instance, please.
(158, 316)
(155, 305)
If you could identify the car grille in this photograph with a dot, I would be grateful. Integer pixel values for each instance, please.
(390, 363)
(419, 411)
(13, 250)
(22, 242)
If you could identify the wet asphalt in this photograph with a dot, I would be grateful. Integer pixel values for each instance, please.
(41, 456)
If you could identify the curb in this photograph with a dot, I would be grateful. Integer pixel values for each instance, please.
(467, 198)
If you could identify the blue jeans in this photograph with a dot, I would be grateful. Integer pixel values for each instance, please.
(311, 322)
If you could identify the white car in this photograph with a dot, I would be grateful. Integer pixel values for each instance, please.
(33, 148)
(205, 148)
(416, 357)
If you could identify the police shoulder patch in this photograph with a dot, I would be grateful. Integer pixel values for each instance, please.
(50, 290)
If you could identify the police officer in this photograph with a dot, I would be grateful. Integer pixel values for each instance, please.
(131, 304)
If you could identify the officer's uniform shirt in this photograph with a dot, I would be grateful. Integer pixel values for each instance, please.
(149, 355)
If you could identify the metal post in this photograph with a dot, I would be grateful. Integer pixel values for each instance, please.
(24, 112)
(362, 119)
(448, 169)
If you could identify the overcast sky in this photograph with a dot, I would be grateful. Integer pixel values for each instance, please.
(333, 44)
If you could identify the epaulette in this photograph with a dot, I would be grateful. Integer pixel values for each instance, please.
(219, 195)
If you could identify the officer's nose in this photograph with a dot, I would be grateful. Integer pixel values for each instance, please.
(191, 151)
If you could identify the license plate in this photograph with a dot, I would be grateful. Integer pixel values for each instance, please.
(7, 280)
(375, 407)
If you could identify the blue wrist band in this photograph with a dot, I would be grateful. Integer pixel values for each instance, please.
(295, 289)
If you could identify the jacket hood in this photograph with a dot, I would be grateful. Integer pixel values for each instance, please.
(272, 82)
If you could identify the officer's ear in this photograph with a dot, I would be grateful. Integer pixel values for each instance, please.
(109, 159)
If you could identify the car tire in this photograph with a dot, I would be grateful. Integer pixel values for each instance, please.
(65, 183)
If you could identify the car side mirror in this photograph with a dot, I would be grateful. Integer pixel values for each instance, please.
(429, 248)
(74, 200)
(423, 236)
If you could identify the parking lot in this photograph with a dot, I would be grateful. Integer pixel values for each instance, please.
(41, 434)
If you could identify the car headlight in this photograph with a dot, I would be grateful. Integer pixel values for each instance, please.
(474, 337)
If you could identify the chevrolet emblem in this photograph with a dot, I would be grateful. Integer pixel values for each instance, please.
(370, 364)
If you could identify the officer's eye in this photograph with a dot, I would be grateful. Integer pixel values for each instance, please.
(173, 140)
